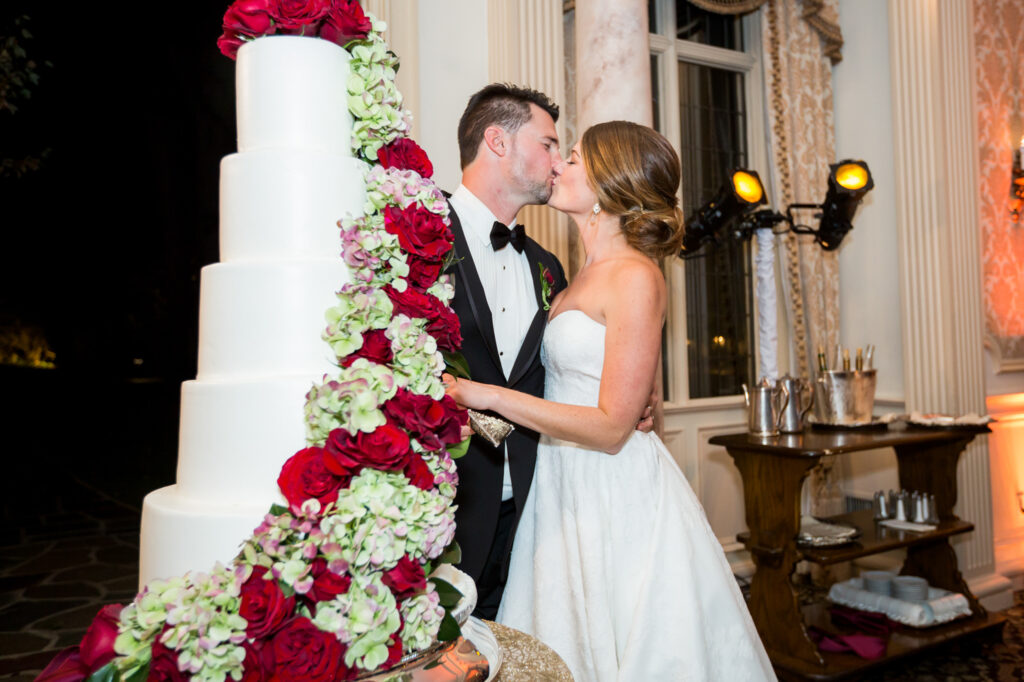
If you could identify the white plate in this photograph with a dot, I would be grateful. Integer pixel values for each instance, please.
(476, 631)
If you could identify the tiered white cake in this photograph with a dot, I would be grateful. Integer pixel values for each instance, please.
(262, 307)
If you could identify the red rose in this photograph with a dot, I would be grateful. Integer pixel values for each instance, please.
(376, 348)
(97, 647)
(345, 22)
(395, 647)
(404, 154)
(411, 302)
(229, 43)
(302, 651)
(252, 666)
(250, 17)
(326, 583)
(423, 273)
(445, 328)
(263, 605)
(387, 448)
(405, 579)
(67, 666)
(419, 231)
(549, 278)
(418, 473)
(299, 17)
(164, 664)
(306, 475)
(442, 322)
(434, 423)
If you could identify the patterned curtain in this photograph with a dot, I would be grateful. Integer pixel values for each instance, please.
(801, 41)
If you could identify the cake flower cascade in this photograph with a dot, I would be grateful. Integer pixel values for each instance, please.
(336, 583)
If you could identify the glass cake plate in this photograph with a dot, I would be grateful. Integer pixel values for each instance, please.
(815, 533)
(478, 632)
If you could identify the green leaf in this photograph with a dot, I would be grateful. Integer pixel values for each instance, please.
(277, 509)
(449, 629)
(459, 449)
(138, 674)
(452, 554)
(455, 363)
(447, 592)
(107, 673)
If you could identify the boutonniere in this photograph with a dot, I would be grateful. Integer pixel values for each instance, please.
(546, 283)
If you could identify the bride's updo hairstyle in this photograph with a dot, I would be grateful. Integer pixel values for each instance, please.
(636, 173)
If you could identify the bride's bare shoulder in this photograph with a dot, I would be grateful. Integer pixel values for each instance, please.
(635, 272)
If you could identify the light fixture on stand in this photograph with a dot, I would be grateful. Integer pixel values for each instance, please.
(738, 196)
(732, 213)
(848, 182)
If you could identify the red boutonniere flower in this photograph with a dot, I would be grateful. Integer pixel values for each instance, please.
(547, 283)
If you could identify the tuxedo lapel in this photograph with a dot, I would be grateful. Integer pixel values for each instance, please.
(537, 257)
(469, 280)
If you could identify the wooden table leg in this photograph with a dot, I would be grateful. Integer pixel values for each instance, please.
(932, 468)
(771, 495)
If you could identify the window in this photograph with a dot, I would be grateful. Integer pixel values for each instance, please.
(703, 81)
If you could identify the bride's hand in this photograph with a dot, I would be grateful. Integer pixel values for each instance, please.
(466, 393)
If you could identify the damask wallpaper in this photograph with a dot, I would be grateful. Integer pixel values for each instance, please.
(999, 100)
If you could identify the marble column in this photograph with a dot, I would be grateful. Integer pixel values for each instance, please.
(613, 62)
(936, 177)
(525, 47)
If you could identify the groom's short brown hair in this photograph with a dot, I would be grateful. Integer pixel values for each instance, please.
(501, 104)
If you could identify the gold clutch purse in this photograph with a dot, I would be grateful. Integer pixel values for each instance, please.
(493, 429)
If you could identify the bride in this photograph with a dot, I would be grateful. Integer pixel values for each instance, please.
(614, 564)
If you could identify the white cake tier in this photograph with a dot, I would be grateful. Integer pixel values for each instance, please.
(234, 437)
(181, 534)
(262, 319)
(281, 203)
(291, 92)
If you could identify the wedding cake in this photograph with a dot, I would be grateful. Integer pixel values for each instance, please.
(262, 306)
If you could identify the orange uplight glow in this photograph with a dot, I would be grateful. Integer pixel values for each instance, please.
(747, 187)
(1007, 473)
(852, 175)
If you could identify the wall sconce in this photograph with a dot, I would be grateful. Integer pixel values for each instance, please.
(1017, 183)
(848, 182)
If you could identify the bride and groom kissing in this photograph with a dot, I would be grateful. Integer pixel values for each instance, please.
(580, 529)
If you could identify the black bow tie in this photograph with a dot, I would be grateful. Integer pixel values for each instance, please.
(501, 236)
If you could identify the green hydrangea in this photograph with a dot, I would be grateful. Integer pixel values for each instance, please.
(351, 400)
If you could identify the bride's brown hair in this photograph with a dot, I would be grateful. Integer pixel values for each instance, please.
(636, 174)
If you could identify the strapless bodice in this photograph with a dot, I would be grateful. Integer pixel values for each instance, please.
(573, 355)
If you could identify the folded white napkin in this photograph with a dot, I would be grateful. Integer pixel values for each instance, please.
(908, 525)
(942, 605)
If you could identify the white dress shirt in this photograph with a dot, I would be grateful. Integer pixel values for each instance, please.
(507, 280)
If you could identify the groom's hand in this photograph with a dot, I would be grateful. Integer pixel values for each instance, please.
(646, 423)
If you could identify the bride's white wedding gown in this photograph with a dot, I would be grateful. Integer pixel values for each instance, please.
(614, 564)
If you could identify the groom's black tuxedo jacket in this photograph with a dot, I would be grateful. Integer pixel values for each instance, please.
(482, 468)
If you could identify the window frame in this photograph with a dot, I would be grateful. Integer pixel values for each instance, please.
(668, 50)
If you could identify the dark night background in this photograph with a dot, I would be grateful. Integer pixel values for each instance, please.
(103, 244)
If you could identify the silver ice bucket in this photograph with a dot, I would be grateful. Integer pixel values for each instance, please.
(844, 397)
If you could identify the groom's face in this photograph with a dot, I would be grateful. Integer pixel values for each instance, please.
(534, 158)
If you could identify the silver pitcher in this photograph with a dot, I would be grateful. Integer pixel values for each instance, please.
(845, 397)
(798, 405)
(766, 403)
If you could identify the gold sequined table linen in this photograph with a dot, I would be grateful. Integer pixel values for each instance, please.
(526, 658)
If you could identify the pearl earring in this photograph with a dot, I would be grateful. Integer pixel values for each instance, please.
(597, 208)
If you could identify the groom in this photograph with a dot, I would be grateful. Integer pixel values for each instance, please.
(510, 158)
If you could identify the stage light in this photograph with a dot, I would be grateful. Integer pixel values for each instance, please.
(739, 195)
(848, 182)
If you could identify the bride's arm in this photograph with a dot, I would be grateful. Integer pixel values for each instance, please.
(634, 311)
